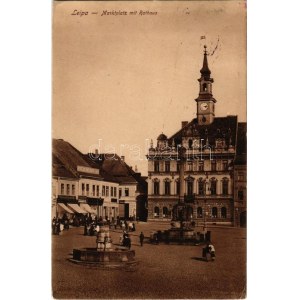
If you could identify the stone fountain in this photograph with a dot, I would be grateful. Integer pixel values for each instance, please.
(103, 255)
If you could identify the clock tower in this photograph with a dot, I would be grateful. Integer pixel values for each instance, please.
(205, 100)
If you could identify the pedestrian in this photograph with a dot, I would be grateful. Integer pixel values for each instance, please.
(210, 251)
(142, 239)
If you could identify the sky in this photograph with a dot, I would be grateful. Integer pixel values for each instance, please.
(121, 80)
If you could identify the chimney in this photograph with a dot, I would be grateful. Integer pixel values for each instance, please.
(122, 158)
(184, 123)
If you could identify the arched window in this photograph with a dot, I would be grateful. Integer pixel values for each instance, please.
(199, 212)
(214, 212)
(223, 212)
(156, 186)
(190, 185)
(156, 212)
(204, 87)
(201, 187)
(213, 186)
(165, 212)
(225, 186)
(167, 186)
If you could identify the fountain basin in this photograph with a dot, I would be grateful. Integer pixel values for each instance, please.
(109, 258)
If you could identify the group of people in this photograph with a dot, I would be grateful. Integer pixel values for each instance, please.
(125, 239)
(59, 224)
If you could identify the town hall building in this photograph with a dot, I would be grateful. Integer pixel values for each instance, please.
(204, 150)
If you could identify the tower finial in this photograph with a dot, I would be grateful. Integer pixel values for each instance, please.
(205, 71)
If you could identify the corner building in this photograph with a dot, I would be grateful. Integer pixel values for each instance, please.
(204, 149)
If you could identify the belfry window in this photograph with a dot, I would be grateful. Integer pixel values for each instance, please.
(204, 87)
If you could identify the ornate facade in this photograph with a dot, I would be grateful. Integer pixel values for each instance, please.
(204, 151)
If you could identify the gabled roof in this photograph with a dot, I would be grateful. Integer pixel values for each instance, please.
(70, 158)
(59, 170)
(113, 167)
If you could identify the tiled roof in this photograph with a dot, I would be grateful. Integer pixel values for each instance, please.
(112, 165)
(59, 170)
(221, 127)
(242, 138)
(70, 158)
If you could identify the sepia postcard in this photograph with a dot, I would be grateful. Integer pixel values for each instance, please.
(149, 154)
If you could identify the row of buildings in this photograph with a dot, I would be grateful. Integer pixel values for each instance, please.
(99, 184)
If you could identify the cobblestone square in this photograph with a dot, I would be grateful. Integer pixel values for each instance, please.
(163, 271)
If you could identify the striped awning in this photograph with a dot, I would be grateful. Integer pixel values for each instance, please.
(88, 208)
(77, 208)
(63, 206)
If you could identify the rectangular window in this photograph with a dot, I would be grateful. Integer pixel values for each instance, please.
(87, 189)
(68, 189)
(156, 188)
(190, 166)
(120, 193)
(201, 166)
(94, 189)
(167, 188)
(177, 187)
(73, 189)
(167, 166)
(97, 190)
(83, 188)
(225, 187)
(240, 177)
(201, 187)
(111, 191)
(225, 165)
(103, 190)
(115, 192)
(126, 192)
(156, 166)
(107, 191)
(213, 165)
(241, 195)
(62, 188)
(213, 187)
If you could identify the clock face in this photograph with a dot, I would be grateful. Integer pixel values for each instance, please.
(204, 106)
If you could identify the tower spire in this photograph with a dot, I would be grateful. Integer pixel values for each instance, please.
(205, 71)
